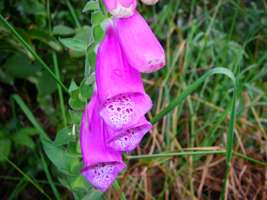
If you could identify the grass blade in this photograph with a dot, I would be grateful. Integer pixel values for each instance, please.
(49, 178)
(29, 115)
(178, 100)
(182, 153)
(28, 178)
(230, 134)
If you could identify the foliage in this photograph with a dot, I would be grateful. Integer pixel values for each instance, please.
(47, 77)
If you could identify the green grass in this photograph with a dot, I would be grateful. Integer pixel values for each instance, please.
(209, 114)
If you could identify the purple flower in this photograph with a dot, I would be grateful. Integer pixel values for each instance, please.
(121, 8)
(120, 88)
(141, 47)
(128, 139)
(101, 163)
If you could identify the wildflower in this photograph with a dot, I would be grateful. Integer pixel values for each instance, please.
(128, 139)
(140, 46)
(101, 163)
(121, 8)
(123, 100)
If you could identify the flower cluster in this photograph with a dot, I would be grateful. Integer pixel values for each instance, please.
(114, 120)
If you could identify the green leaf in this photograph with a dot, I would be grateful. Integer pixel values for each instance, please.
(28, 131)
(85, 34)
(81, 41)
(78, 182)
(23, 139)
(76, 103)
(74, 44)
(76, 116)
(5, 146)
(73, 86)
(97, 17)
(91, 5)
(93, 194)
(31, 7)
(6, 78)
(45, 37)
(46, 84)
(63, 30)
(63, 137)
(98, 33)
(86, 90)
(19, 66)
(58, 156)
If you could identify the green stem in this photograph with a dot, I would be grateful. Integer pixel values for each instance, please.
(183, 153)
(229, 145)
(56, 68)
(252, 160)
(49, 178)
(30, 49)
(195, 153)
(60, 93)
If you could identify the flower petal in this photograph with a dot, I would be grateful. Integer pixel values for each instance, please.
(102, 164)
(127, 140)
(141, 47)
(123, 100)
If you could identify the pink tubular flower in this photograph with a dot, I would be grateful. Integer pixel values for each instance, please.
(127, 140)
(141, 47)
(121, 8)
(101, 163)
(120, 88)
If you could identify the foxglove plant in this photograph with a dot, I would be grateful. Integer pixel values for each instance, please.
(114, 120)
(102, 164)
(122, 97)
(140, 46)
(121, 8)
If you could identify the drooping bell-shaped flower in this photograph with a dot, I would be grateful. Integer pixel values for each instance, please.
(121, 8)
(128, 139)
(120, 87)
(141, 47)
(149, 2)
(102, 164)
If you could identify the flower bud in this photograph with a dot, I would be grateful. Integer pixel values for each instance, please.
(139, 44)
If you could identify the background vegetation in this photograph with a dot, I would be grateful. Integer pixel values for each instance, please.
(209, 138)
